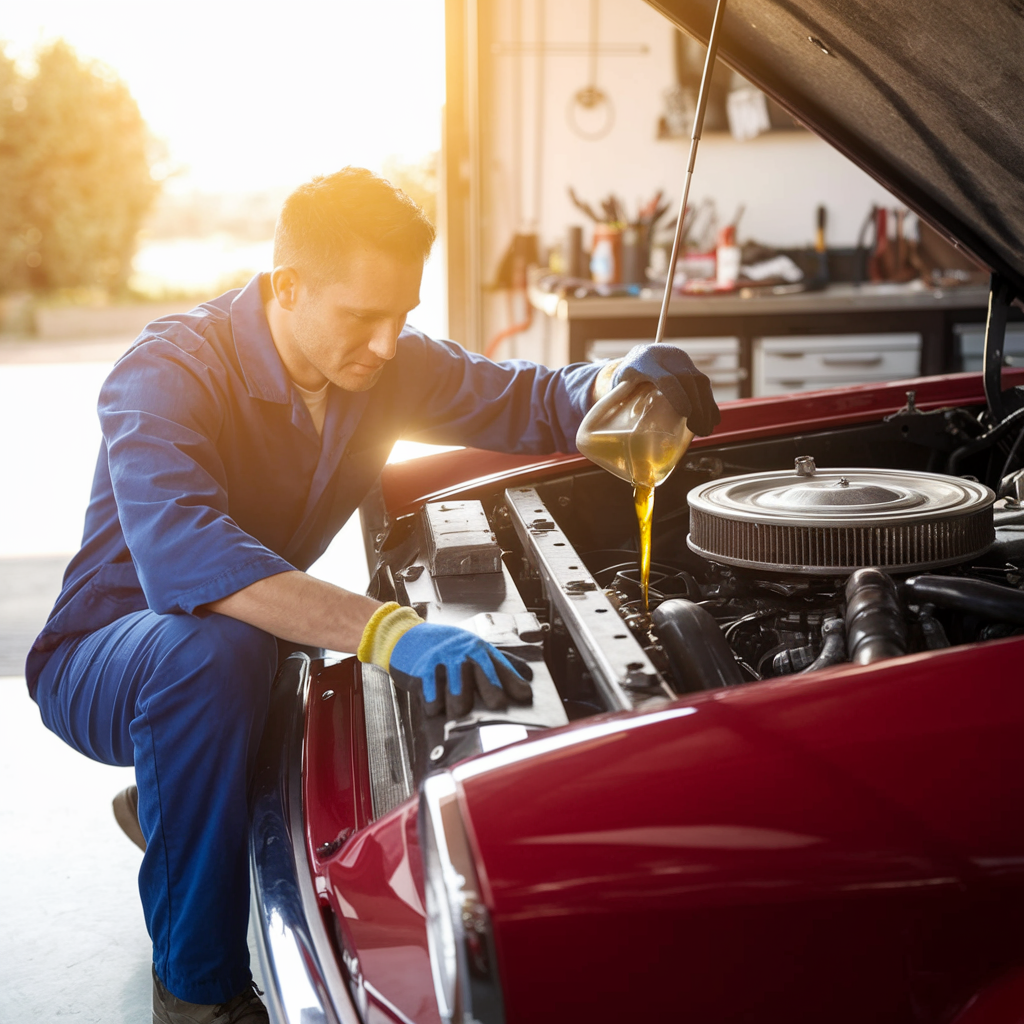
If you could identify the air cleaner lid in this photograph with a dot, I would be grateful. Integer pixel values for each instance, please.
(837, 520)
(810, 496)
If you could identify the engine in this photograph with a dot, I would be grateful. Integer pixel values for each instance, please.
(760, 574)
(820, 552)
(771, 558)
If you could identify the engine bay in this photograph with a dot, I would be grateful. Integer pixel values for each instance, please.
(771, 558)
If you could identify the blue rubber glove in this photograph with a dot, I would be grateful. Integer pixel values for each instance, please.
(672, 371)
(449, 666)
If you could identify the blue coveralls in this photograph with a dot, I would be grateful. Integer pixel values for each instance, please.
(211, 476)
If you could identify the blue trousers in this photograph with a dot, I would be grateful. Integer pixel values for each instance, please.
(183, 698)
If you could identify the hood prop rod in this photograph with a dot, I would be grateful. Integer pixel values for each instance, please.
(1000, 403)
(698, 128)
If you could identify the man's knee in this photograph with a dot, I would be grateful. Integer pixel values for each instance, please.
(234, 644)
(230, 663)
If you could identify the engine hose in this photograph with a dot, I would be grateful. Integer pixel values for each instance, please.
(833, 648)
(935, 638)
(696, 648)
(987, 439)
(875, 628)
(989, 600)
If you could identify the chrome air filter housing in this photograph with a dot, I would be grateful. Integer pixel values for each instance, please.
(833, 521)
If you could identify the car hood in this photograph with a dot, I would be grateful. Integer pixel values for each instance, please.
(925, 97)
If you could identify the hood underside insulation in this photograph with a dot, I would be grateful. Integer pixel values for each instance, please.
(925, 96)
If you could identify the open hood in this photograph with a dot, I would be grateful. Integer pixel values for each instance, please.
(926, 95)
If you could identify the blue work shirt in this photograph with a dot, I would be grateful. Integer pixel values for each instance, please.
(211, 474)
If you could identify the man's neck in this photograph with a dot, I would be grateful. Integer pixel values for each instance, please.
(296, 365)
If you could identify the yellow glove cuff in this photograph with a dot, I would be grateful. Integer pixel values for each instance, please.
(387, 625)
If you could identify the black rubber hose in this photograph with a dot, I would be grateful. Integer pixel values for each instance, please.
(833, 648)
(981, 443)
(696, 649)
(875, 628)
(989, 600)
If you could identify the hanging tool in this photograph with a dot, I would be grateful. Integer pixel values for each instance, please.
(583, 206)
(821, 277)
(737, 217)
(648, 212)
(862, 249)
(590, 97)
(698, 127)
(880, 261)
(906, 266)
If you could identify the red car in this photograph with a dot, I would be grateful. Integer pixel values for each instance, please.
(795, 791)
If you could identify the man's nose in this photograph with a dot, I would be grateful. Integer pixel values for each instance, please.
(384, 342)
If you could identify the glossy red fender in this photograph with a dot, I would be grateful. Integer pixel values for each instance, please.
(408, 484)
(846, 847)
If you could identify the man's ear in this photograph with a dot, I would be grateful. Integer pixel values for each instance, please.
(284, 281)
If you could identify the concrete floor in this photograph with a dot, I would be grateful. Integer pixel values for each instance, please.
(73, 945)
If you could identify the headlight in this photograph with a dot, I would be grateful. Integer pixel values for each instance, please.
(459, 936)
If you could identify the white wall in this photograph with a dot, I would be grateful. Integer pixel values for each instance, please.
(782, 177)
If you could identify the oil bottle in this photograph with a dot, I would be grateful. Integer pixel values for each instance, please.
(635, 434)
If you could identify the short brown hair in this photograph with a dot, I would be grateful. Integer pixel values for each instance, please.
(332, 214)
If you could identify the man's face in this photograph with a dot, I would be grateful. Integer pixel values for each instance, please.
(348, 327)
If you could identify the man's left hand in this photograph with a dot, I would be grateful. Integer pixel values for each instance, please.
(672, 371)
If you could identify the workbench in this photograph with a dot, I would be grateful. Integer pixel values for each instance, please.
(839, 309)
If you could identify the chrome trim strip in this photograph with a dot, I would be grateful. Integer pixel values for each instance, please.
(448, 858)
(622, 672)
(390, 768)
(303, 980)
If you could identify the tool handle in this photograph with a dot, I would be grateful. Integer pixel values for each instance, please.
(819, 239)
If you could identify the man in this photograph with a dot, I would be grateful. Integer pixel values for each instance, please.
(237, 439)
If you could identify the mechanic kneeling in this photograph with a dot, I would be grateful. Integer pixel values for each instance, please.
(237, 440)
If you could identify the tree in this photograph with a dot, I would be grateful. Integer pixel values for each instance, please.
(11, 102)
(76, 157)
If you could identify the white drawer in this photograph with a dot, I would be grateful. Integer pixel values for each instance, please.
(789, 385)
(708, 354)
(836, 359)
(972, 346)
(833, 342)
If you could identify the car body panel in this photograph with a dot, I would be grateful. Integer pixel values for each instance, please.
(1001, 1003)
(371, 882)
(838, 846)
(834, 844)
(336, 770)
(305, 979)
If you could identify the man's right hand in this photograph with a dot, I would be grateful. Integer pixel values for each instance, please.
(447, 666)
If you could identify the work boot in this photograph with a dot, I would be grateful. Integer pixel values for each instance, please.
(126, 813)
(245, 1008)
